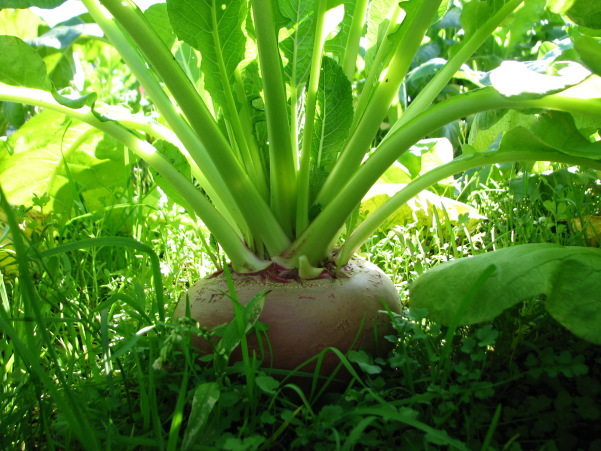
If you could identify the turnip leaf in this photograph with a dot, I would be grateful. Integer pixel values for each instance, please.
(333, 121)
(158, 17)
(473, 15)
(61, 37)
(44, 4)
(336, 46)
(49, 155)
(298, 46)
(21, 65)
(589, 50)
(534, 80)
(378, 22)
(569, 278)
(558, 130)
(213, 28)
(551, 132)
(180, 163)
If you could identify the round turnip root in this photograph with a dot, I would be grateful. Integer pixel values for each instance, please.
(342, 310)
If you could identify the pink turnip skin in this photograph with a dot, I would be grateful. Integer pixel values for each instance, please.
(304, 316)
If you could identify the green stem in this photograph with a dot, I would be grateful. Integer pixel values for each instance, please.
(386, 50)
(214, 185)
(351, 51)
(466, 49)
(244, 116)
(159, 131)
(295, 93)
(242, 258)
(240, 137)
(314, 241)
(461, 164)
(282, 161)
(302, 207)
(414, 27)
(260, 219)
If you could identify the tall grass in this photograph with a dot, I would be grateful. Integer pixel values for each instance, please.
(91, 358)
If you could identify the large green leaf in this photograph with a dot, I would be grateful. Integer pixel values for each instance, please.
(336, 46)
(298, 46)
(253, 86)
(378, 21)
(21, 23)
(49, 155)
(333, 120)
(586, 13)
(476, 289)
(553, 131)
(558, 130)
(63, 36)
(44, 4)
(158, 17)
(489, 126)
(20, 65)
(510, 37)
(427, 154)
(473, 14)
(213, 28)
(536, 79)
(427, 209)
(589, 50)
(56, 47)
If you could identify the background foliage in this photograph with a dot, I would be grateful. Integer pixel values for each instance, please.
(91, 358)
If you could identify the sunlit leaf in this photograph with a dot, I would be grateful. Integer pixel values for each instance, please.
(49, 155)
(44, 4)
(21, 23)
(336, 46)
(334, 118)
(20, 65)
(426, 155)
(397, 173)
(425, 209)
(488, 127)
(550, 132)
(213, 28)
(63, 36)
(298, 46)
(205, 397)
(159, 19)
(589, 50)
(568, 277)
(377, 25)
(520, 80)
